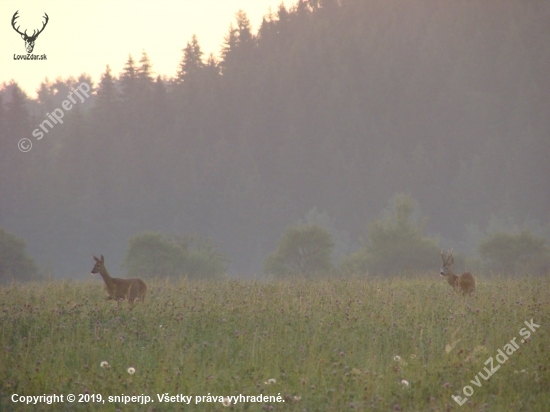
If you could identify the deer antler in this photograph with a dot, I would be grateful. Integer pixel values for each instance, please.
(15, 16)
(34, 36)
(447, 258)
(444, 257)
(34, 33)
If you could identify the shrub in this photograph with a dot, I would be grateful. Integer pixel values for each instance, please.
(515, 253)
(303, 250)
(394, 243)
(15, 264)
(154, 254)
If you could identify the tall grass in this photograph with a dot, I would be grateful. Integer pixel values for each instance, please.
(399, 344)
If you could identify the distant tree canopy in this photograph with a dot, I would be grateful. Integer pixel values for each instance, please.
(335, 103)
(15, 263)
(154, 254)
(395, 243)
(515, 253)
(303, 250)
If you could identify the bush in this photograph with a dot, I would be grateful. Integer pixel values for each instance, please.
(515, 253)
(303, 250)
(15, 264)
(394, 243)
(154, 254)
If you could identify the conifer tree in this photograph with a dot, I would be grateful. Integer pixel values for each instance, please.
(191, 62)
(17, 116)
(144, 76)
(106, 92)
(128, 80)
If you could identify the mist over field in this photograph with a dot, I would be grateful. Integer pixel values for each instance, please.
(330, 106)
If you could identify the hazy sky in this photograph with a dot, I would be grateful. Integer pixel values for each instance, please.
(85, 36)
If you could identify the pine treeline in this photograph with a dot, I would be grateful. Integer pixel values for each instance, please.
(334, 104)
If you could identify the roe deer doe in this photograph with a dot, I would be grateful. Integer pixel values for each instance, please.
(131, 289)
(466, 283)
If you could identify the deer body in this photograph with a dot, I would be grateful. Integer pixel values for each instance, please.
(117, 289)
(465, 283)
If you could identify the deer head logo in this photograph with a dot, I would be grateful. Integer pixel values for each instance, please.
(29, 40)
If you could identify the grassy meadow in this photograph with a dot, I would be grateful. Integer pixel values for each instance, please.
(403, 344)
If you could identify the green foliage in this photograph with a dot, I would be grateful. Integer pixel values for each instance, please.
(515, 253)
(302, 250)
(15, 263)
(395, 243)
(330, 345)
(154, 254)
(340, 237)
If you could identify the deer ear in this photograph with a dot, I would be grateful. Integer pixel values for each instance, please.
(96, 259)
(102, 259)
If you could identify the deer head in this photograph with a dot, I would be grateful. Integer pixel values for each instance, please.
(99, 264)
(447, 263)
(29, 40)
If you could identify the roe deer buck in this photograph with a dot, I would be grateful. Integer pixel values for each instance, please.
(131, 289)
(466, 282)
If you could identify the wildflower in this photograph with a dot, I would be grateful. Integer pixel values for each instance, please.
(405, 383)
(131, 370)
(105, 365)
(297, 398)
(271, 382)
(226, 401)
(398, 359)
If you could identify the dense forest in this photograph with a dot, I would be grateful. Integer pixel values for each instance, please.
(332, 106)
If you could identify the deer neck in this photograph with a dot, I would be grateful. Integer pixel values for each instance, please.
(452, 278)
(105, 275)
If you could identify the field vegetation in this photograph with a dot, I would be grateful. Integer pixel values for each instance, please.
(394, 344)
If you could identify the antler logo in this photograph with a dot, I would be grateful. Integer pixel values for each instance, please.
(29, 40)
